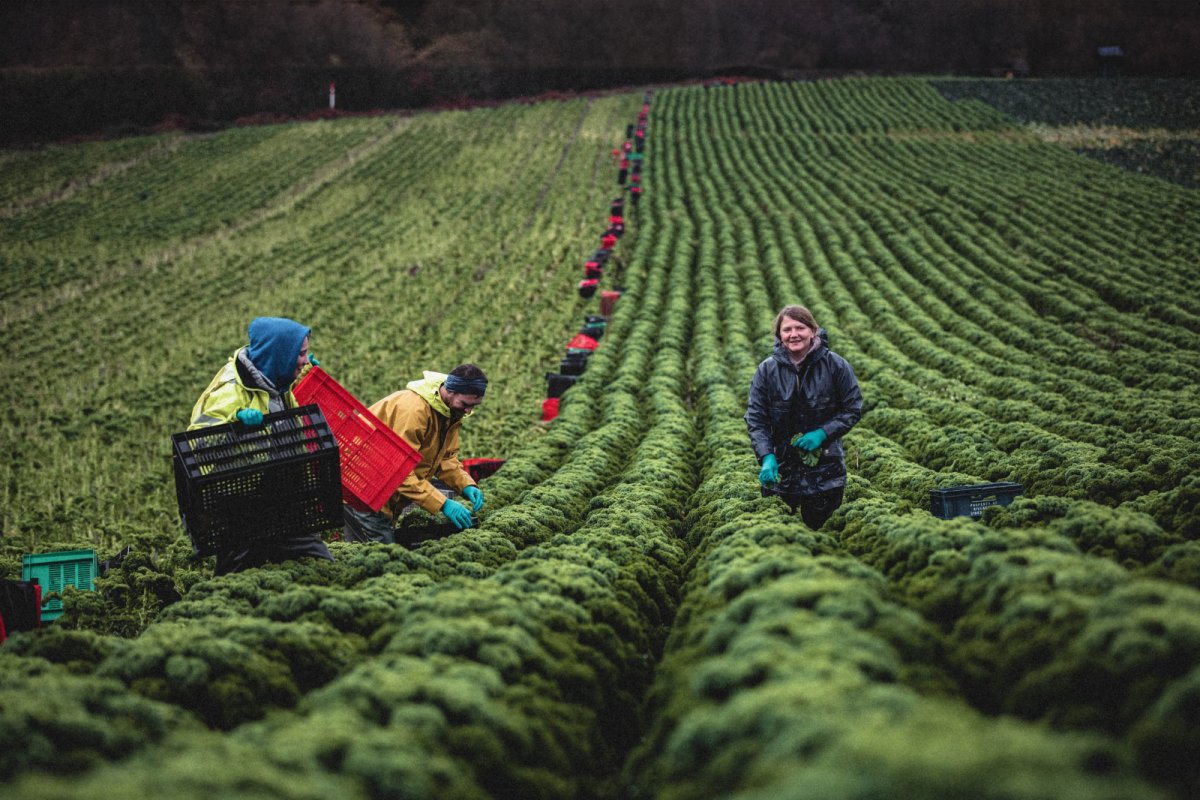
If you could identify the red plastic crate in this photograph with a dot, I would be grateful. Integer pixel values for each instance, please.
(608, 301)
(582, 342)
(374, 459)
(480, 468)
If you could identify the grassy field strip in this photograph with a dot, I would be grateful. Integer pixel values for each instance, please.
(47, 179)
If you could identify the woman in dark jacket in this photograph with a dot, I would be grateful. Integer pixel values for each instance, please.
(804, 398)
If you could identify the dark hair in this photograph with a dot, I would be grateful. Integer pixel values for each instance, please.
(799, 314)
(469, 372)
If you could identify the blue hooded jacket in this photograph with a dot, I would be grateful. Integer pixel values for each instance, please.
(275, 344)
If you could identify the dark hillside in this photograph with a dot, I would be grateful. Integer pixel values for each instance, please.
(82, 66)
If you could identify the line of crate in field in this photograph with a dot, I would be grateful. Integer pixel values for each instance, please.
(666, 328)
(485, 241)
(477, 248)
(655, 323)
(285, 271)
(293, 252)
(286, 255)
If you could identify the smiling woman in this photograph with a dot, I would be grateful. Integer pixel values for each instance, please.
(803, 399)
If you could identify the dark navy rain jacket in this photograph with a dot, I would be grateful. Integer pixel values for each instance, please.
(786, 401)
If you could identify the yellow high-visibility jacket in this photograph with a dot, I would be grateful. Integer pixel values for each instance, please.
(419, 416)
(226, 394)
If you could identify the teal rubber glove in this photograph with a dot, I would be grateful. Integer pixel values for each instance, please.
(811, 440)
(769, 472)
(457, 513)
(475, 495)
(250, 416)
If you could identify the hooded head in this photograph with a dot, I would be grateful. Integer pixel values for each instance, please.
(275, 344)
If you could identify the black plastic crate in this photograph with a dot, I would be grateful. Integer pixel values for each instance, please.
(238, 485)
(970, 501)
(573, 365)
(557, 384)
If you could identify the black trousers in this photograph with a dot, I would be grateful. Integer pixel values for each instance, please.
(815, 509)
(270, 552)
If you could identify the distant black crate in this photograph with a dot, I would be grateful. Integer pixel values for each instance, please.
(556, 384)
(573, 365)
(238, 485)
(970, 501)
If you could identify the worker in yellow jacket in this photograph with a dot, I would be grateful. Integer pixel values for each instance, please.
(257, 380)
(427, 414)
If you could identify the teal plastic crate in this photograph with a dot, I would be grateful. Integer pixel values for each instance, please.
(55, 571)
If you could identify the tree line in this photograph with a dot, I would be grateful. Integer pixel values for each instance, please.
(72, 66)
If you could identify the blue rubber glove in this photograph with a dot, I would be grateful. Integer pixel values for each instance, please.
(457, 513)
(250, 416)
(811, 440)
(475, 495)
(313, 360)
(769, 473)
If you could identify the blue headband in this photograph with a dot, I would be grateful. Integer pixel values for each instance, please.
(463, 386)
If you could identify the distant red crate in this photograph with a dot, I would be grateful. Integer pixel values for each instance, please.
(582, 341)
(374, 459)
(608, 301)
(480, 468)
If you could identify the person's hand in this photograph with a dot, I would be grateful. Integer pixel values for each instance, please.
(811, 440)
(250, 417)
(475, 495)
(769, 473)
(457, 513)
(313, 360)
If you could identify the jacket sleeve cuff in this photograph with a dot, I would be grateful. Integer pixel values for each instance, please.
(423, 494)
(458, 480)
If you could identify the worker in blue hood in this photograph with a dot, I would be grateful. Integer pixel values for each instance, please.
(256, 381)
(278, 347)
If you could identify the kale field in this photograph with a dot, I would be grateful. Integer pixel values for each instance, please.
(631, 619)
